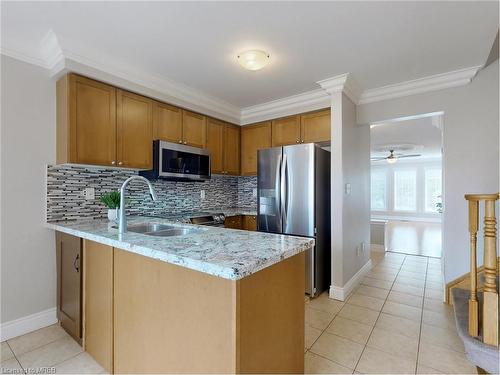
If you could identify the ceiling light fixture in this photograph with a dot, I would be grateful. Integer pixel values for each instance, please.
(392, 159)
(253, 59)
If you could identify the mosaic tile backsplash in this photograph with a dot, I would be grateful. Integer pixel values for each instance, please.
(65, 200)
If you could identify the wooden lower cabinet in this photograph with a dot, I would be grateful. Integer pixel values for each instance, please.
(250, 222)
(98, 318)
(69, 284)
(233, 222)
(169, 319)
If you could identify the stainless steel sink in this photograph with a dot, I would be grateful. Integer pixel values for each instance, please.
(161, 230)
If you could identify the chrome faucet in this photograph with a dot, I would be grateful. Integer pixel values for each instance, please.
(122, 223)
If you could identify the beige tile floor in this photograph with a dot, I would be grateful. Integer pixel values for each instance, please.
(394, 322)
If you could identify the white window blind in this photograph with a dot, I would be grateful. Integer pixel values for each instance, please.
(432, 189)
(405, 190)
(378, 190)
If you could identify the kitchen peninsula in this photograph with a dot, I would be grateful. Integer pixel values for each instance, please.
(214, 300)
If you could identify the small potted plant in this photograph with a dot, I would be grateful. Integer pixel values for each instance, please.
(112, 201)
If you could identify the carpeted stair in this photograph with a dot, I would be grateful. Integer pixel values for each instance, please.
(480, 354)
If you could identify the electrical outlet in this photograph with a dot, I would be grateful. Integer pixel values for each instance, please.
(254, 192)
(89, 193)
(202, 194)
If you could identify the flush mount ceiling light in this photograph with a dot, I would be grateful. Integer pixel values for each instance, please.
(253, 59)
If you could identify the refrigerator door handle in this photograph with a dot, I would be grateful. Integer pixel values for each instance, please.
(283, 190)
(277, 188)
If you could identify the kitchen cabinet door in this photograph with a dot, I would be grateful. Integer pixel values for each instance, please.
(69, 284)
(253, 138)
(232, 149)
(315, 127)
(215, 144)
(99, 303)
(250, 222)
(134, 130)
(167, 123)
(194, 129)
(86, 121)
(233, 222)
(286, 131)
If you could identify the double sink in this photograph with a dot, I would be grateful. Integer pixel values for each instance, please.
(161, 230)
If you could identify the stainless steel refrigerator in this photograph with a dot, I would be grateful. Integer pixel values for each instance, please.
(293, 195)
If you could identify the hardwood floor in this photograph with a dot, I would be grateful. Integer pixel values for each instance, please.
(414, 237)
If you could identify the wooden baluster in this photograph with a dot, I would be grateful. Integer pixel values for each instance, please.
(490, 304)
(473, 304)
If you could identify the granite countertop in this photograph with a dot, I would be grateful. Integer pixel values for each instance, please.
(228, 253)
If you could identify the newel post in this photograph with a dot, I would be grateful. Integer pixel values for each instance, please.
(490, 306)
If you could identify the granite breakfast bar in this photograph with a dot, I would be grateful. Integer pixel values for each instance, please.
(213, 301)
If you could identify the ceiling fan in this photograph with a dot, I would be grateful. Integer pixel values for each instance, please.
(393, 158)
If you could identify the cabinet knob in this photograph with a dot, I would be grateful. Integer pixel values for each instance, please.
(120, 163)
(180, 141)
(113, 162)
(298, 141)
(185, 142)
(302, 141)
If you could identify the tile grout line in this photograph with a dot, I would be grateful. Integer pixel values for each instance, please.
(421, 316)
(15, 356)
(380, 312)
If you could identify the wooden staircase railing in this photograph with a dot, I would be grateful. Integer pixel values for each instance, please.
(489, 319)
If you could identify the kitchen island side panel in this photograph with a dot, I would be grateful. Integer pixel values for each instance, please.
(169, 319)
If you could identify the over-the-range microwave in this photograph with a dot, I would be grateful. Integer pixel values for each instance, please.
(174, 161)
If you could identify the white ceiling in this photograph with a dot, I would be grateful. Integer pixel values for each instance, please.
(424, 132)
(195, 43)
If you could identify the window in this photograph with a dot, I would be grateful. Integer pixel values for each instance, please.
(432, 190)
(378, 190)
(405, 190)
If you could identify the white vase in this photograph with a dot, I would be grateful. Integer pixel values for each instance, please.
(113, 214)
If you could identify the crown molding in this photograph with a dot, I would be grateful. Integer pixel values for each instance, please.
(6, 51)
(342, 83)
(304, 102)
(421, 85)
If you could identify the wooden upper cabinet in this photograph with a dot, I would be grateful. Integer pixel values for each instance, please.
(232, 149)
(286, 131)
(86, 121)
(253, 138)
(315, 127)
(134, 130)
(215, 144)
(194, 129)
(167, 122)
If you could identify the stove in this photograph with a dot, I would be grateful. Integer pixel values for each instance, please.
(214, 220)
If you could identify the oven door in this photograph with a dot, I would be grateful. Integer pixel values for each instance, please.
(185, 162)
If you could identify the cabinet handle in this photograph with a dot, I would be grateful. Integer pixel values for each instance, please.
(120, 163)
(76, 263)
(113, 162)
(180, 141)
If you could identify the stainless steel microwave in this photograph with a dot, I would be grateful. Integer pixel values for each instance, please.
(174, 161)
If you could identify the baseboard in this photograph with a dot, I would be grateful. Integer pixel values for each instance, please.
(27, 324)
(341, 293)
(377, 248)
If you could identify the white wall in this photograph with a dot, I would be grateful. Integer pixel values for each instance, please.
(471, 151)
(27, 145)
(350, 216)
